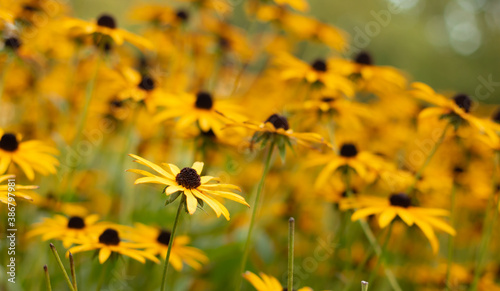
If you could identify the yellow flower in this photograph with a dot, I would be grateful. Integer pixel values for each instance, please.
(277, 125)
(105, 25)
(109, 242)
(304, 27)
(292, 68)
(200, 109)
(362, 162)
(155, 241)
(266, 283)
(456, 110)
(400, 205)
(159, 14)
(299, 5)
(69, 230)
(31, 156)
(188, 181)
(5, 190)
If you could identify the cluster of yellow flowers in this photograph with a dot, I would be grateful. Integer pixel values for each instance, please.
(356, 152)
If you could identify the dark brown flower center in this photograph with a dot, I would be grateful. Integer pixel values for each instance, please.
(106, 20)
(147, 83)
(12, 43)
(348, 150)
(319, 65)
(76, 222)
(9, 142)
(164, 237)
(400, 199)
(496, 116)
(188, 178)
(363, 58)
(204, 100)
(182, 15)
(463, 101)
(109, 237)
(115, 103)
(278, 121)
(327, 99)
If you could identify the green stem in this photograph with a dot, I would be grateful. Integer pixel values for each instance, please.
(450, 240)
(331, 133)
(72, 269)
(486, 236)
(428, 159)
(108, 267)
(291, 235)
(61, 266)
(381, 258)
(364, 286)
(165, 269)
(47, 278)
(267, 166)
(378, 250)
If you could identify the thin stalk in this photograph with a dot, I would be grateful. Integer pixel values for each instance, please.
(108, 267)
(61, 266)
(364, 286)
(382, 255)
(486, 236)
(378, 250)
(291, 236)
(73, 272)
(165, 269)
(428, 159)
(450, 239)
(47, 278)
(246, 251)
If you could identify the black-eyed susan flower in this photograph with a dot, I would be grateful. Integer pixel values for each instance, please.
(455, 110)
(69, 230)
(155, 241)
(160, 14)
(276, 130)
(200, 109)
(368, 76)
(318, 71)
(303, 27)
(104, 26)
(400, 205)
(109, 242)
(30, 156)
(15, 190)
(188, 181)
(266, 282)
(362, 162)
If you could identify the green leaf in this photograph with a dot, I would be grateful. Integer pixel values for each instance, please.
(172, 197)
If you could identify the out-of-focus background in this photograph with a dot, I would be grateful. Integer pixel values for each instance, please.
(451, 45)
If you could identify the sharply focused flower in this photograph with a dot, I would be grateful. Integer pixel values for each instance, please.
(400, 205)
(266, 283)
(14, 190)
(105, 26)
(31, 156)
(69, 230)
(155, 241)
(196, 189)
(109, 242)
